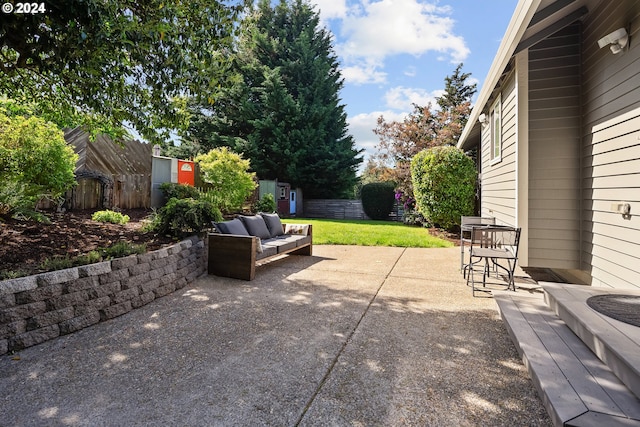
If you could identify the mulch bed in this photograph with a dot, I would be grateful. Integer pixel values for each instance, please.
(24, 245)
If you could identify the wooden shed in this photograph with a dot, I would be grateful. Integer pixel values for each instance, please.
(109, 175)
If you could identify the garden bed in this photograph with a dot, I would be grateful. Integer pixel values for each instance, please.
(25, 245)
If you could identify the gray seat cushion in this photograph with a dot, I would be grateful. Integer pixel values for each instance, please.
(256, 226)
(302, 240)
(268, 249)
(285, 242)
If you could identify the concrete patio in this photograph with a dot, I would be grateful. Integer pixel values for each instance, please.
(350, 336)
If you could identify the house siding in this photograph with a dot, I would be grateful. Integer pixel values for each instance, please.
(611, 149)
(554, 151)
(499, 178)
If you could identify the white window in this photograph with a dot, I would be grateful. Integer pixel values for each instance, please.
(495, 120)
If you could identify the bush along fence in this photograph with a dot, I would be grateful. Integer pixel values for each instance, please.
(38, 308)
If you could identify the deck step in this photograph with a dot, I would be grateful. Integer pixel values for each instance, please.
(616, 343)
(576, 388)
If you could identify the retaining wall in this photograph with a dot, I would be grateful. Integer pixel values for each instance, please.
(38, 308)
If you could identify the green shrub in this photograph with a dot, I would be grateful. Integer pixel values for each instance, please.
(110, 216)
(57, 263)
(13, 197)
(179, 191)
(444, 181)
(118, 250)
(182, 216)
(17, 202)
(62, 262)
(34, 153)
(229, 177)
(413, 217)
(36, 163)
(123, 249)
(266, 204)
(378, 199)
(12, 274)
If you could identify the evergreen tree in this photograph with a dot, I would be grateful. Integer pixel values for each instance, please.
(456, 90)
(284, 112)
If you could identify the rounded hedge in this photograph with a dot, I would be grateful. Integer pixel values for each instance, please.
(174, 190)
(444, 183)
(377, 199)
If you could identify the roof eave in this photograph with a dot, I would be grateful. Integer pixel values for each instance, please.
(517, 26)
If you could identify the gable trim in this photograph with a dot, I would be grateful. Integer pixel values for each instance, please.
(551, 29)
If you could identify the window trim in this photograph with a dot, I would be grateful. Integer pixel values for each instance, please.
(495, 143)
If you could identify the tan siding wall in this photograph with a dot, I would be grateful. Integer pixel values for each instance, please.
(554, 151)
(499, 179)
(611, 148)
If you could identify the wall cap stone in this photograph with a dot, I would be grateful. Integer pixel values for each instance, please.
(95, 269)
(20, 284)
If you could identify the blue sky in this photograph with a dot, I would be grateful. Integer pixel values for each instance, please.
(397, 52)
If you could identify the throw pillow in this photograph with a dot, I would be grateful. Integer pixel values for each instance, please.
(273, 224)
(256, 226)
(298, 229)
(235, 226)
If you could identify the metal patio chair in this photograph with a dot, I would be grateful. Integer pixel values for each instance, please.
(497, 246)
(466, 223)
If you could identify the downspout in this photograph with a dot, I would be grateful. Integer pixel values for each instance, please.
(522, 154)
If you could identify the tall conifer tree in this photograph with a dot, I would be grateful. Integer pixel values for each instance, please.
(285, 113)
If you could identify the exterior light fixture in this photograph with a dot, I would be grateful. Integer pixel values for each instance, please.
(617, 40)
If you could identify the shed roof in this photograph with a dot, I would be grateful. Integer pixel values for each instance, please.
(105, 156)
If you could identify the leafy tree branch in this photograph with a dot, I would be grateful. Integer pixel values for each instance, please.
(103, 63)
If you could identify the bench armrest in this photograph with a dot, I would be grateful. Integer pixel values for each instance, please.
(232, 255)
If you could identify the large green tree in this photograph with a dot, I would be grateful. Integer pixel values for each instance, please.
(104, 63)
(284, 111)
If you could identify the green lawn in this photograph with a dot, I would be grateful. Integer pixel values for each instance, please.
(369, 233)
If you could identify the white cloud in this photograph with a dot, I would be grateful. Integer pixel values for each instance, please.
(403, 98)
(379, 29)
(361, 128)
(331, 9)
(411, 71)
(363, 73)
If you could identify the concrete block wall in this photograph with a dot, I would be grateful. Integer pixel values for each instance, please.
(38, 308)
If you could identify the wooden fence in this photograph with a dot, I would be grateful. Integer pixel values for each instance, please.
(334, 209)
(343, 209)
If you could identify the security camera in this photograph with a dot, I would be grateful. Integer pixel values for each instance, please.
(618, 40)
(482, 118)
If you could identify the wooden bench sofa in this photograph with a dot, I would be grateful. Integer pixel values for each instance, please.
(238, 244)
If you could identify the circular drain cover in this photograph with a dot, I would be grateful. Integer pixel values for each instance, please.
(625, 308)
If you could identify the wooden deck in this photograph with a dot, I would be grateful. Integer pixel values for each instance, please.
(615, 343)
(576, 387)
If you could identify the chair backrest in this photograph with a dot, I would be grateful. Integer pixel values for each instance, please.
(477, 220)
(496, 237)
